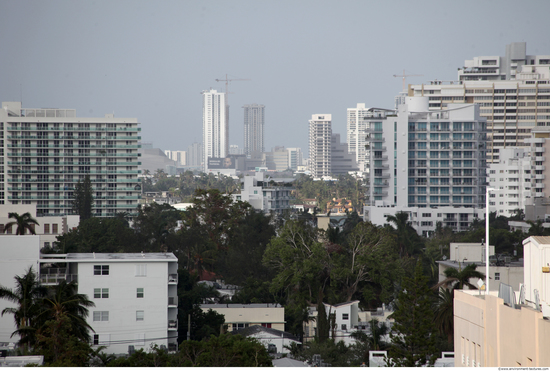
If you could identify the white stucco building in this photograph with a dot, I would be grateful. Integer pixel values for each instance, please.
(357, 126)
(240, 316)
(135, 295)
(507, 328)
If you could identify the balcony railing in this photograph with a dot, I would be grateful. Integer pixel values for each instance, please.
(173, 324)
(172, 278)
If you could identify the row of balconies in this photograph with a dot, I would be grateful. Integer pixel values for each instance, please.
(21, 145)
(61, 163)
(17, 180)
(70, 137)
(74, 171)
(50, 197)
(62, 154)
(35, 128)
(45, 189)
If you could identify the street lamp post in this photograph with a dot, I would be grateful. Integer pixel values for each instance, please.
(487, 239)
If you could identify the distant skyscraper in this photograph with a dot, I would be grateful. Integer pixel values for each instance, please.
(253, 128)
(357, 134)
(320, 132)
(235, 150)
(195, 155)
(215, 134)
(294, 158)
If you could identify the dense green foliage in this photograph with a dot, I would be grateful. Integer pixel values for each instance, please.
(23, 223)
(83, 198)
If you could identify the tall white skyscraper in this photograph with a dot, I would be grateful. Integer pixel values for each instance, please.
(320, 132)
(357, 133)
(215, 131)
(253, 128)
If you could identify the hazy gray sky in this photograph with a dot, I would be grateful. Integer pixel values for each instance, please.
(151, 59)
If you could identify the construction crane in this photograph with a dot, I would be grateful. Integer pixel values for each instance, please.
(404, 76)
(227, 108)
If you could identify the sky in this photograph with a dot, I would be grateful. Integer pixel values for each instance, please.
(150, 60)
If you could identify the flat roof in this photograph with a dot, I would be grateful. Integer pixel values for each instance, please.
(109, 256)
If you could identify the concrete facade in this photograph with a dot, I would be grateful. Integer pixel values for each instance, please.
(512, 91)
(215, 126)
(257, 191)
(45, 152)
(496, 331)
(254, 122)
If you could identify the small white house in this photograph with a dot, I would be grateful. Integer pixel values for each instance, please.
(239, 316)
(274, 340)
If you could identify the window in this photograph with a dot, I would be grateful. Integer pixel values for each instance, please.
(140, 315)
(101, 270)
(54, 228)
(101, 293)
(141, 270)
(344, 327)
(139, 293)
(102, 316)
(497, 276)
(96, 339)
(345, 316)
(266, 325)
(46, 229)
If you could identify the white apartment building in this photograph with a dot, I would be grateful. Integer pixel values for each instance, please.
(320, 133)
(269, 198)
(511, 176)
(135, 296)
(215, 125)
(179, 156)
(429, 164)
(45, 152)
(512, 91)
(357, 125)
(254, 121)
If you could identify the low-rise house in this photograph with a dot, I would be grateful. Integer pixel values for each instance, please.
(239, 316)
(274, 340)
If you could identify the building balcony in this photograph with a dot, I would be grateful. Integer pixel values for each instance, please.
(540, 158)
(383, 158)
(172, 301)
(172, 278)
(172, 325)
(57, 278)
(382, 193)
(381, 166)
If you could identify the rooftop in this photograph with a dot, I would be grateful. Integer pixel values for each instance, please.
(113, 256)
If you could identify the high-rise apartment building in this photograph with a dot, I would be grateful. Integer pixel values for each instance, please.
(357, 132)
(341, 161)
(215, 130)
(511, 176)
(195, 154)
(45, 152)
(512, 91)
(294, 158)
(320, 133)
(253, 128)
(429, 164)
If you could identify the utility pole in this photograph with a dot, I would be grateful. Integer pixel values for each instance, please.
(227, 109)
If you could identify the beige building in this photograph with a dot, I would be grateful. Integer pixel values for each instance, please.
(239, 316)
(48, 228)
(507, 328)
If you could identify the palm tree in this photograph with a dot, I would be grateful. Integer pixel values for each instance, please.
(23, 222)
(458, 278)
(408, 240)
(27, 295)
(64, 300)
(444, 313)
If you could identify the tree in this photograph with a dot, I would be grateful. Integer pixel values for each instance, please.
(458, 278)
(24, 222)
(83, 199)
(413, 334)
(408, 240)
(26, 294)
(64, 301)
(444, 314)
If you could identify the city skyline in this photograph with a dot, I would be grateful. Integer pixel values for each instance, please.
(148, 60)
